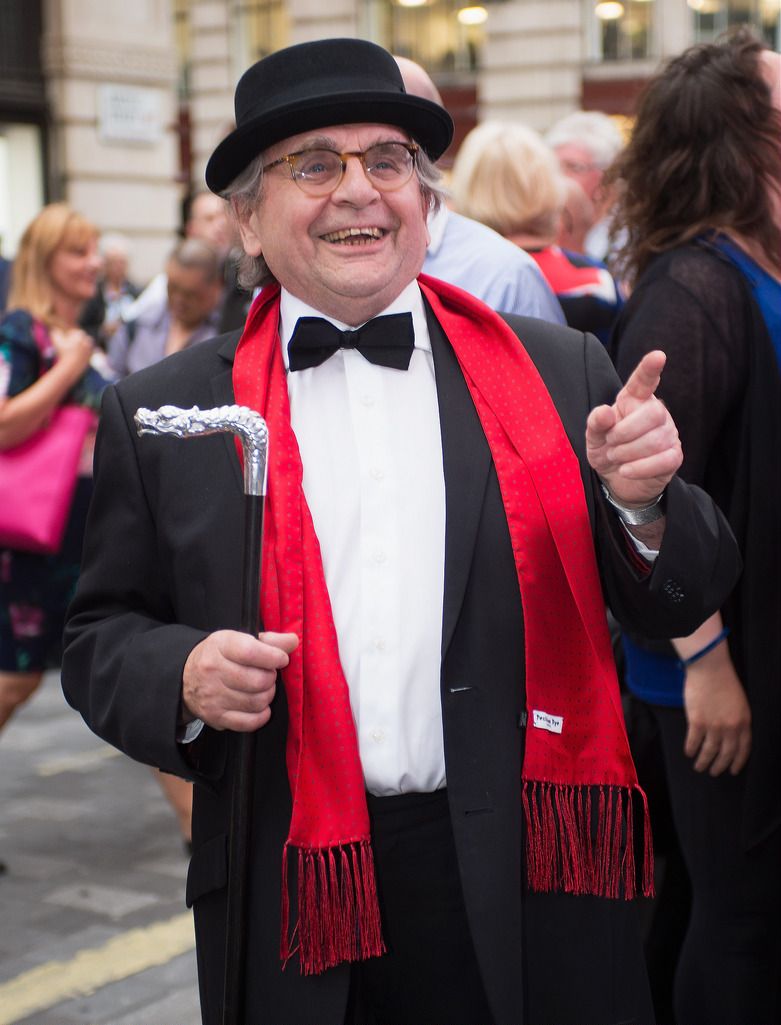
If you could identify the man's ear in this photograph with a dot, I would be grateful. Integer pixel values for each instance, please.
(249, 238)
(246, 224)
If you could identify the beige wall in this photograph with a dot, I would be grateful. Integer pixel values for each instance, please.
(532, 61)
(316, 19)
(126, 186)
(212, 79)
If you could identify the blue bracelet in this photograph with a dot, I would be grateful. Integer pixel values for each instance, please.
(704, 651)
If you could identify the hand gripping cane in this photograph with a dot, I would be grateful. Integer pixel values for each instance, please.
(251, 429)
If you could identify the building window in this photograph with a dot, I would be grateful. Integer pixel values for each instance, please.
(182, 40)
(712, 17)
(442, 35)
(621, 30)
(21, 181)
(260, 27)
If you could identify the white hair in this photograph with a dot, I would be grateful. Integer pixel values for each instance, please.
(113, 242)
(591, 129)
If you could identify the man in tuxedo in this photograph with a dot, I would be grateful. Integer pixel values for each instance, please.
(442, 777)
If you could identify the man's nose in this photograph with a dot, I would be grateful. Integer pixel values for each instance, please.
(355, 187)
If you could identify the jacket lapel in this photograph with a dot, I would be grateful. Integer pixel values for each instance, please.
(222, 392)
(466, 461)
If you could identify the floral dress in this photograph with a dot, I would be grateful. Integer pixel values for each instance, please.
(35, 589)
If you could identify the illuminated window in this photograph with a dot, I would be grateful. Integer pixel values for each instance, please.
(712, 17)
(621, 30)
(259, 27)
(181, 13)
(21, 181)
(442, 35)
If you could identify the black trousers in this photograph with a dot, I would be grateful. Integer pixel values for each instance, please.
(729, 964)
(429, 975)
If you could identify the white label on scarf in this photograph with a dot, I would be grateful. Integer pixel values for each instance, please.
(546, 721)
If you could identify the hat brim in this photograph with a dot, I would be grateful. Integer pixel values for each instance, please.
(427, 123)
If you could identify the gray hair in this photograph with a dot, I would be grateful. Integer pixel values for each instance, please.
(194, 252)
(592, 129)
(245, 192)
(113, 242)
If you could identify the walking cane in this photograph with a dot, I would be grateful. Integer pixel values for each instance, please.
(251, 429)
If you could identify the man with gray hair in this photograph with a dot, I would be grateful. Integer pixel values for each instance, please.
(186, 315)
(586, 143)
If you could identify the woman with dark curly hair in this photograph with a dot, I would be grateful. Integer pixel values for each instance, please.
(700, 203)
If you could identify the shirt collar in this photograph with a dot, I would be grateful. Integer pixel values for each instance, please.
(409, 301)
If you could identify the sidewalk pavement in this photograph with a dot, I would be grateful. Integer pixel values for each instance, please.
(93, 927)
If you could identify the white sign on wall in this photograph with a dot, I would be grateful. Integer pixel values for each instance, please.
(128, 113)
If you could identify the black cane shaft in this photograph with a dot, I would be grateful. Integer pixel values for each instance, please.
(238, 857)
(241, 807)
(253, 534)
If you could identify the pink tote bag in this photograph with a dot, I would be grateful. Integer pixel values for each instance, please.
(38, 479)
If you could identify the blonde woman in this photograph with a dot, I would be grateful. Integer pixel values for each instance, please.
(44, 362)
(506, 176)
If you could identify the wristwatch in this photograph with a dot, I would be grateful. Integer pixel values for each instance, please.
(636, 517)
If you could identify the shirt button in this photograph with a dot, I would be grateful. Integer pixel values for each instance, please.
(379, 644)
(367, 399)
(377, 736)
(379, 556)
(377, 472)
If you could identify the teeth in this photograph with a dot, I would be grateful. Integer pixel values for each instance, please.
(341, 236)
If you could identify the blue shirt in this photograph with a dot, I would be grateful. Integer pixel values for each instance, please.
(466, 253)
(765, 289)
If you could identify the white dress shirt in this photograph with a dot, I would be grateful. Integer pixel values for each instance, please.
(371, 448)
(370, 443)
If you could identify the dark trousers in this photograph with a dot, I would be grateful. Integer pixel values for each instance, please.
(429, 975)
(728, 969)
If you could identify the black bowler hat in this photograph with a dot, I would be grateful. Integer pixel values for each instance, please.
(313, 85)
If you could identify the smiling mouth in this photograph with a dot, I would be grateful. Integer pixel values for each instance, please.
(354, 236)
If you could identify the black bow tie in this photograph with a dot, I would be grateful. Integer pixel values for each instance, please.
(387, 341)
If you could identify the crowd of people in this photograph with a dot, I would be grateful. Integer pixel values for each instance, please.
(441, 623)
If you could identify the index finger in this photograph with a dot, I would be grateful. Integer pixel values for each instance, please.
(644, 379)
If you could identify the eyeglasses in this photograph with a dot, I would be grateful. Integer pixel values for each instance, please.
(318, 172)
(577, 167)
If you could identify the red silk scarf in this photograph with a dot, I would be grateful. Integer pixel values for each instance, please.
(578, 776)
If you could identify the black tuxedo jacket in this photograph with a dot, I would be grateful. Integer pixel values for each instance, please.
(162, 568)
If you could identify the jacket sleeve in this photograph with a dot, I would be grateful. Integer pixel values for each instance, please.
(124, 649)
(698, 562)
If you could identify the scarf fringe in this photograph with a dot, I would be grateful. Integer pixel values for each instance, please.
(338, 915)
(582, 846)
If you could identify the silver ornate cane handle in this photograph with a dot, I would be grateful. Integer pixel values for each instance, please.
(193, 423)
